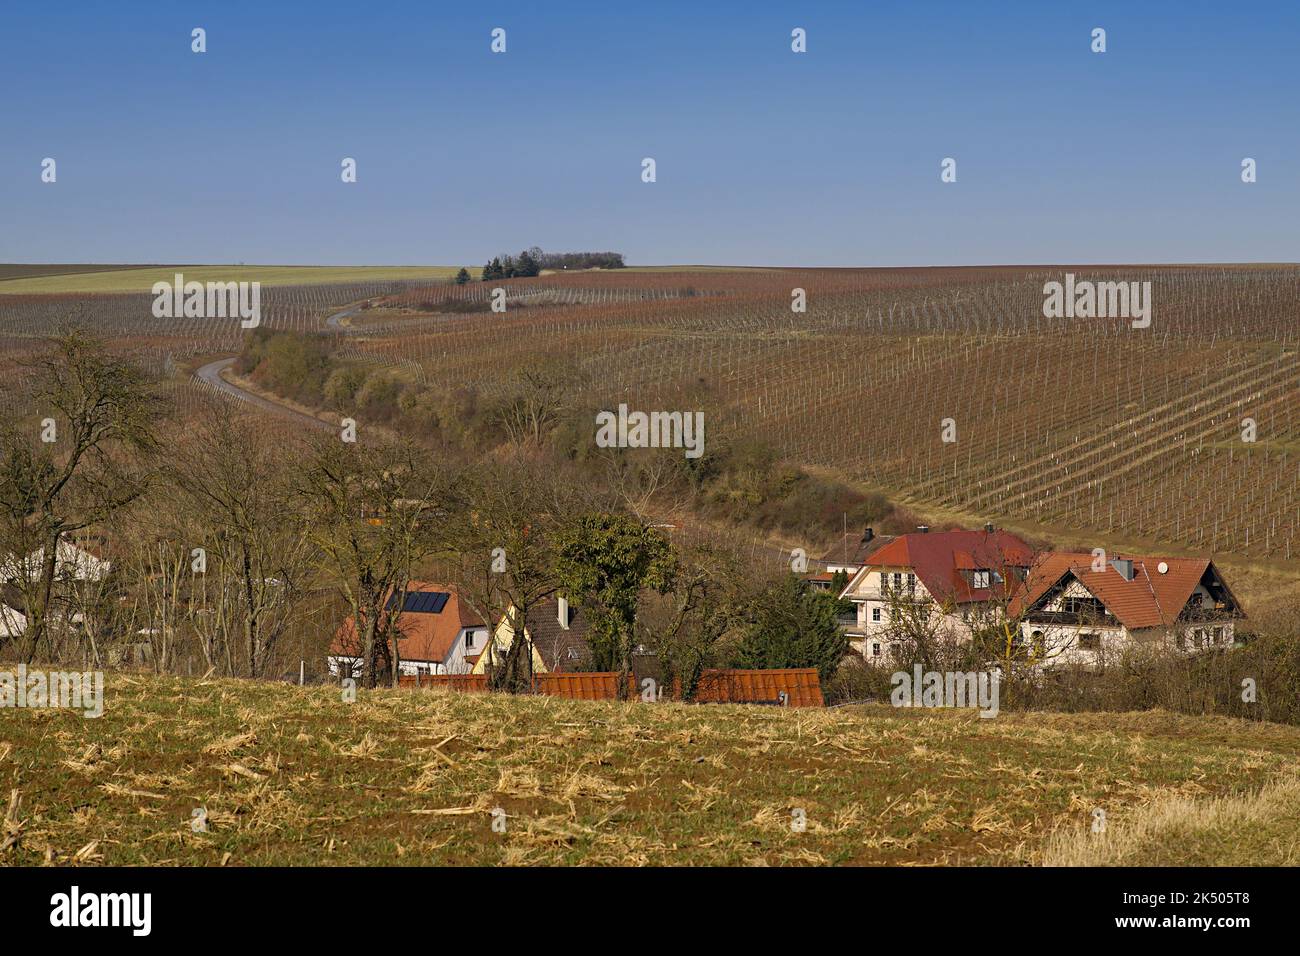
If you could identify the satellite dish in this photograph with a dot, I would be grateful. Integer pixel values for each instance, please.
(1162, 567)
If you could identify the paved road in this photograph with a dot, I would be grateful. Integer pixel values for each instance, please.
(335, 321)
(210, 374)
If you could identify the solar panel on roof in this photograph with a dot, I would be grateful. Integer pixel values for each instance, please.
(422, 602)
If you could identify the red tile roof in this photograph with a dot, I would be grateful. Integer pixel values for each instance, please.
(1151, 599)
(424, 637)
(938, 558)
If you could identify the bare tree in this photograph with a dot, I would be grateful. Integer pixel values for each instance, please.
(249, 555)
(81, 461)
(685, 628)
(529, 415)
(369, 514)
(503, 554)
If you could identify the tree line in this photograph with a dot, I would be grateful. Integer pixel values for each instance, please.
(532, 261)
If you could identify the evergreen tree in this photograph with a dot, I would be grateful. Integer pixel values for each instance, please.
(462, 276)
(526, 265)
(793, 625)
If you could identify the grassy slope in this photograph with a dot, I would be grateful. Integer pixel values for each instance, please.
(1227, 831)
(142, 279)
(291, 775)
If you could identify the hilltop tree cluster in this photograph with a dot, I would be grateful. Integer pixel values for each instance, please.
(532, 261)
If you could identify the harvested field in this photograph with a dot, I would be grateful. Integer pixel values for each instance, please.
(290, 775)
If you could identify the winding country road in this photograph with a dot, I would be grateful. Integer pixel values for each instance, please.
(210, 375)
(335, 321)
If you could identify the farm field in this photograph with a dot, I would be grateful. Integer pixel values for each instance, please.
(15, 280)
(1087, 428)
(1087, 425)
(290, 775)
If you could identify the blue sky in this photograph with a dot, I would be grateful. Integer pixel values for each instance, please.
(764, 156)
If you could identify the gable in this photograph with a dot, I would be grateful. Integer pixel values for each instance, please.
(945, 562)
(1153, 598)
(432, 621)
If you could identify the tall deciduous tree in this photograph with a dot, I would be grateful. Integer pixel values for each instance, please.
(233, 484)
(83, 457)
(607, 561)
(370, 509)
(504, 541)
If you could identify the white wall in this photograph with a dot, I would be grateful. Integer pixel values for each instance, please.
(456, 662)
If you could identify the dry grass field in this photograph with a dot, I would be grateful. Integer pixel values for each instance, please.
(292, 775)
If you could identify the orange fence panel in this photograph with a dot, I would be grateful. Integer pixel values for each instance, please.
(801, 686)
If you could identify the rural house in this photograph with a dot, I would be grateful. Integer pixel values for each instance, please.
(72, 562)
(557, 632)
(946, 573)
(852, 552)
(13, 622)
(438, 634)
(842, 562)
(1079, 609)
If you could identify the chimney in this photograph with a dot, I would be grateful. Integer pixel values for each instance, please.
(1124, 566)
(562, 612)
(868, 535)
(988, 528)
(923, 529)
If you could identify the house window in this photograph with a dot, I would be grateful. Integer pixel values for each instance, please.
(875, 615)
(1090, 642)
(911, 581)
(875, 650)
(1218, 635)
(469, 640)
(1084, 608)
(1198, 638)
(898, 580)
(980, 579)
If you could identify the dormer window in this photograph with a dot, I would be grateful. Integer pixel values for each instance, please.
(979, 579)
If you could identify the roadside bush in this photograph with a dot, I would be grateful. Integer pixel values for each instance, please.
(341, 386)
(377, 396)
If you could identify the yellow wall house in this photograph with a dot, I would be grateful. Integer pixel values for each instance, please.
(557, 634)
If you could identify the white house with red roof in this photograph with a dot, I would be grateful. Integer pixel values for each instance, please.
(438, 634)
(946, 572)
(1089, 609)
(1064, 607)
